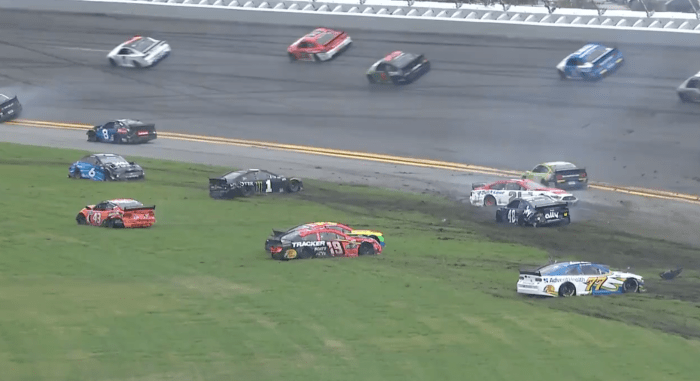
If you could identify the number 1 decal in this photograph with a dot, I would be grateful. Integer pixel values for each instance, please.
(335, 248)
(269, 186)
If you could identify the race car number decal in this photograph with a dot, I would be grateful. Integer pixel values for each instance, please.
(512, 216)
(513, 195)
(382, 76)
(595, 283)
(105, 134)
(335, 248)
(91, 173)
(95, 218)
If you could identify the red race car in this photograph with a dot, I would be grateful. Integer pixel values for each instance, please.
(321, 243)
(119, 213)
(320, 45)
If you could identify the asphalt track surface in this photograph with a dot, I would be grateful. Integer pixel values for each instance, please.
(495, 103)
(490, 102)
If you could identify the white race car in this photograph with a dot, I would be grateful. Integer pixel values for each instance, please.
(502, 192)
(139, 52)
(577, 278)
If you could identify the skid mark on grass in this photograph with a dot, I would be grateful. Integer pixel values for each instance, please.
(333, 344)
(44, 236)
(487, 328)
(261, 320)
(171, 376)
(213, 286)
(420, 342)
(535, 329)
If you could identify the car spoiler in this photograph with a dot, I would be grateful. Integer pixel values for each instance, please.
(341, 34)
(145, 126)
(570, 172)
(605, 56)
(9, 101)
(530, 272)
(477, 185)
(277, 233)
(161, 43)
(150, 207)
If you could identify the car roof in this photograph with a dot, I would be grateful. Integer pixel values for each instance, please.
(541, 200)
(587, 49)
(560, 164)
(122, 200)
(559, 268)
(105, 155)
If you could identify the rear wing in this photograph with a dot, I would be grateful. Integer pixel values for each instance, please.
(605, 56)
(477, 185)
(9, 101)
(341, 34)
(134, 208)
(160, 43)
(581, 172)
(277, 233)
(148, 127)
(218, 181)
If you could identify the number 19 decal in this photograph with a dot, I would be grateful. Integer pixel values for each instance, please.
(335, 248)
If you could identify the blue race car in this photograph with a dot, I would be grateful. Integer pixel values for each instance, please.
(105, 167)
(123, 131)
(591, 62)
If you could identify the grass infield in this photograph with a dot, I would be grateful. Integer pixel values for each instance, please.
(197, 298)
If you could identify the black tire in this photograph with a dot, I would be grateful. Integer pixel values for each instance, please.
(112, 62)
(567, 290)
(137, 65)
(395, 81)
(80, 219)
(684, 98)
(108, 175)
(371, 79)
(314, 58)
(544, 182)
(499, 219)
(75, 174)
(117, 139)
(294, 186)
(92, 136)
(247, 191)
(562, 76)
(566, 221)
(374, 237)
(630, 285)
(292, 57)
(366, 249)
(307, 253)
(539, 221)
(114, 223)
(489, 199)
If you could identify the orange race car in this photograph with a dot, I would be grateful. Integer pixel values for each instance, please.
(118, 213)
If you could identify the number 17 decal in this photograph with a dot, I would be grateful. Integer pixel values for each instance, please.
(335, 248)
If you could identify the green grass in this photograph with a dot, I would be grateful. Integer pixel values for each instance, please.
(196, 297)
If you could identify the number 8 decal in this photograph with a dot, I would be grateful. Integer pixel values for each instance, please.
(105, 134)
(335, 248)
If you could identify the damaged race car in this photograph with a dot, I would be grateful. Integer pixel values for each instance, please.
(322, 44)
(248, 182)
(534, 211)
(321, 243)
(577, 278)
(559, 174)
(499, 193)
(345, 229)
(105, 167)
(118, 213)
(10, 108)
(123, 131)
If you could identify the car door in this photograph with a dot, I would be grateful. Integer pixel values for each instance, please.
(305, 48)
(539, 173)
(105, 133)
(92, 169)
(269, 183)
(335, 244)
(125, 57)
(513, 191)
(693, 89)
(98, 213)
(571, 69)
(512, 215)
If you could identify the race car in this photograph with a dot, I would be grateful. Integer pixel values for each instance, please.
(502, 192)
(398, 68)
(105, 167)
(123, 131)
(322, 243)
(248, 182)
(139, 52)
(322, 44)
(558, 174)
(118, 213)
(534, 211)
(345, 229)
(591, 62)
(689, 90)
(10, 108)
(577, 278)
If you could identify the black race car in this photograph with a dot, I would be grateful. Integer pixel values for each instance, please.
(534, 211)
(398, 68)
(123, 131)
(10, 108)
(248, 182)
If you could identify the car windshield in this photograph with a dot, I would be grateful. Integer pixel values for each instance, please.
(113, 160)
(403, 60)
(293, 236)
(234, 175)
(5, 96)
(595, 54)
(141, 44)
(560, 167)
(325, 38)
(127, 203)
(554, 268)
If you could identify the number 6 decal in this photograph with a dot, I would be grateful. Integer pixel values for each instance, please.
(92, 172)
(335, 248)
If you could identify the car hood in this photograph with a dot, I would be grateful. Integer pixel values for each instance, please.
(622, 274)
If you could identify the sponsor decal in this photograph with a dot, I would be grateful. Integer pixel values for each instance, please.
(551, 215)
(290, 254)
(549, 289)
(142, 133)
(122, 130)
(309, 244)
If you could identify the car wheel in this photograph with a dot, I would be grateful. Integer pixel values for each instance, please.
(371, 79)
(395, 81)
(294, 186)
(544, 182)
(489, 201)
(562, 76)
(80, 219)
(112, 62)
(539, 220)
(684, 98)
(247, 191)
(566, 221)
(631, 285)
(567, 289)
(307, 253)
(137, 65)
(92, 136)
(498, 217)
(75, 174)
(292, 57)
(366, 249)
(117, 139)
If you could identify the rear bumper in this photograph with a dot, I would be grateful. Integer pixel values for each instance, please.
(531, 289)
(135, 138)
(144, 223)
(224, 194)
